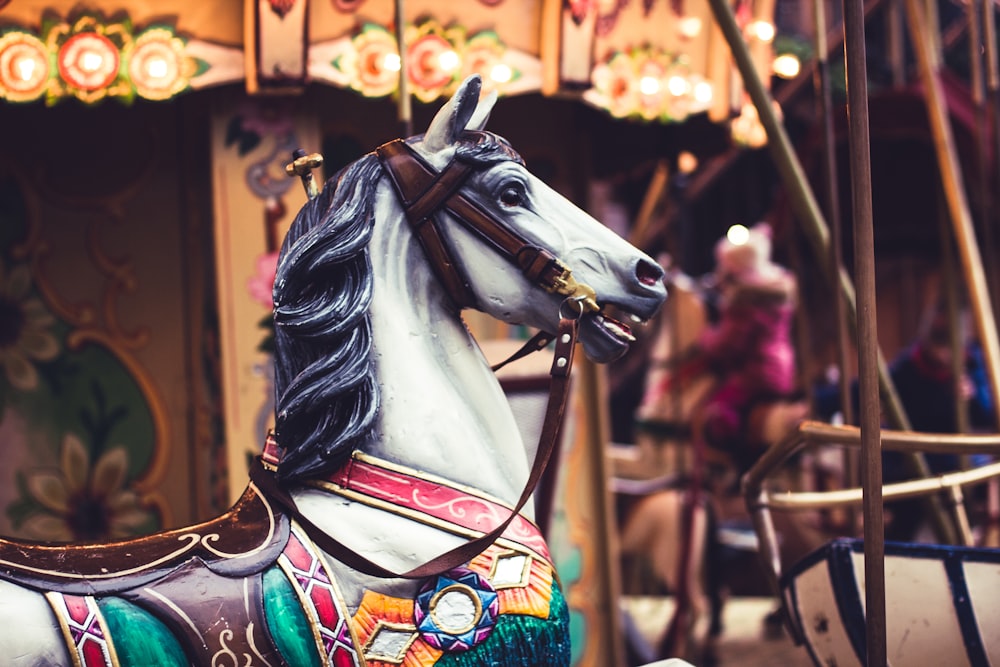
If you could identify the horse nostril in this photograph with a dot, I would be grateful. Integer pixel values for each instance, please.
(648, 273)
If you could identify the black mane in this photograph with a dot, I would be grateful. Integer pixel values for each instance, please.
(325, 389)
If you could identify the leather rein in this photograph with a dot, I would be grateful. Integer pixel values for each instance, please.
(423, 192)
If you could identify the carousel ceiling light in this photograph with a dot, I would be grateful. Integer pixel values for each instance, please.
(689, 26)
(448, 61)
(90, 58)
(24, 67)
(392, 62)
(787, 66)
(678, 85)
(703, 92)
(437, 56)
(501, 73)
(88, 61)
(738, 235)
(156, 68)
(649, 85)
(762, 30)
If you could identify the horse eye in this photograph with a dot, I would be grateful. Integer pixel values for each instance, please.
(511, 196)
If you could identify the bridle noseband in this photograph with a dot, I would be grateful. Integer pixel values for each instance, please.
(423, 192)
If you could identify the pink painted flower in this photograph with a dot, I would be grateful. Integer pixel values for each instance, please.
(431, 65)
(377, 62)
(261, 284)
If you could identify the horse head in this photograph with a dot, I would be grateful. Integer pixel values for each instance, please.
(544, 241)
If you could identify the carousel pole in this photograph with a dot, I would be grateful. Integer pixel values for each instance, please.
(961, 220)
(991, 104)
(824, 96)
(404, 105)
(832, 192)
(807, 211)
(869, 414)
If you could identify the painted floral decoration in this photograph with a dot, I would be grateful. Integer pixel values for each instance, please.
(90, 59)
(25, 335)
(83, 502)
(437, 59)
(648, 84)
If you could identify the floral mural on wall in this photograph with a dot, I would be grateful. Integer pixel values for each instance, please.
(77, 430)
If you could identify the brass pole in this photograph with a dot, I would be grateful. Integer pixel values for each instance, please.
(404, 103)
(832, 192)
(807, 211)
(961, 220)
(869, 413)
(977, 75)
(824, 96)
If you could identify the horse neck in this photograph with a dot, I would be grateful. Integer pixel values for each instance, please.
(443, 411)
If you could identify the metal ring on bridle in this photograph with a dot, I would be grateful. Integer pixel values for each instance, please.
(581, 307)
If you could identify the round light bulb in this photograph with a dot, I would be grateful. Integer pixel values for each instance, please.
(738, 235)
(501, 73)
(392, 62)
(678, 85)
(689, 26)
(703, 92)
(649, 85)
(91, 61)
(156, 68)
(448, 60)
(25, 68)
(762, 30)
(786, 66)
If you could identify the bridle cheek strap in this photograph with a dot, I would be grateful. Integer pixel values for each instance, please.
(424, 192)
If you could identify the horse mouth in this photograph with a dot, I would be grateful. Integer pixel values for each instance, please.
(607, 335)
(617, 328)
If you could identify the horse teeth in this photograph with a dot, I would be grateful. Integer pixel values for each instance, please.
(616, 328)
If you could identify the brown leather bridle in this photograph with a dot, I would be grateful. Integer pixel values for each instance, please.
(424, 192)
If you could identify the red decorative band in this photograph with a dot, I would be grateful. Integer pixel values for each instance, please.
(365, 477)
(271, 455)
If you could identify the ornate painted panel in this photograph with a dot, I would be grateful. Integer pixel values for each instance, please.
(102, 412)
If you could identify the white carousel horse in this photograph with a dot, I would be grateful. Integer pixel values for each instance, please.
(394, 446)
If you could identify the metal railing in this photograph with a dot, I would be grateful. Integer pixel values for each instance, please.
(761, 501)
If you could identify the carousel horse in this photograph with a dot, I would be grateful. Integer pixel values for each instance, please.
(385, 522)
(670, 483)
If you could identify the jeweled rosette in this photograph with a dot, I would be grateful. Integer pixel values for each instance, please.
(376, 49)
(24, 67)
(88, 61)
(456, 610)
(157, 65)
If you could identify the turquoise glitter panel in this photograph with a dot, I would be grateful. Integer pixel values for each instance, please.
(287, 622)
(139, 638)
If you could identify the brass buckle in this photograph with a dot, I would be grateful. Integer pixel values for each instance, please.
(581, 293)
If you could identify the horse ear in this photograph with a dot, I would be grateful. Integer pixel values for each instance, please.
(482, 115)
(453, 117)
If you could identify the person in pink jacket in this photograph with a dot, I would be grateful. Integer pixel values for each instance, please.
(749, 349)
